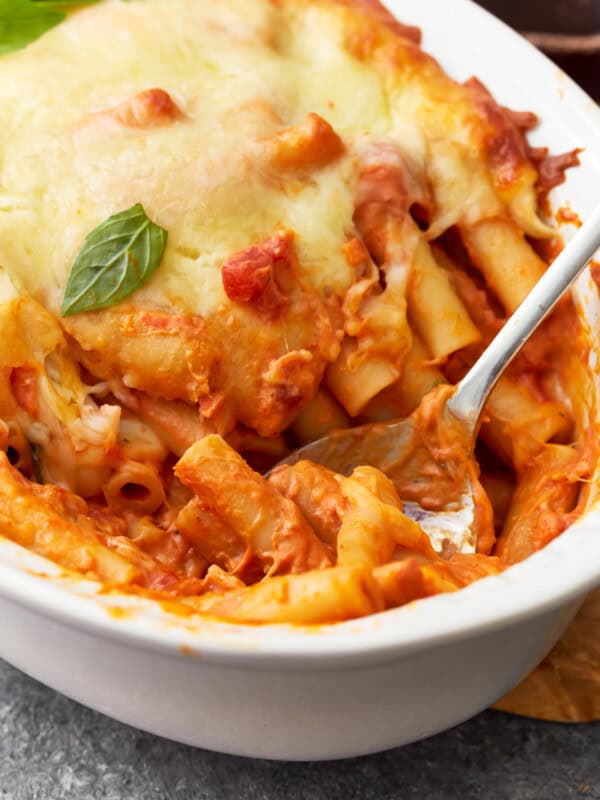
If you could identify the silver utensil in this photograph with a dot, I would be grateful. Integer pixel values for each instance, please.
(397, 448)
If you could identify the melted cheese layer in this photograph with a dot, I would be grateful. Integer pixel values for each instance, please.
(238, 74)
(234, 123)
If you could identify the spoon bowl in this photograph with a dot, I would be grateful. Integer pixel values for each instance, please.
(429, 455)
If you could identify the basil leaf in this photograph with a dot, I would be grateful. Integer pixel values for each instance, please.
(117, 258)
(24, 21)
(64, 3)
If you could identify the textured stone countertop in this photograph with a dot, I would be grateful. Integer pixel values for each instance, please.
(54, 749)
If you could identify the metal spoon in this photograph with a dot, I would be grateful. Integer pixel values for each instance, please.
(400, 449)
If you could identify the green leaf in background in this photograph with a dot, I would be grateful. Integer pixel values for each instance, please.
(24, 21)
(118, 257)
(63, 3)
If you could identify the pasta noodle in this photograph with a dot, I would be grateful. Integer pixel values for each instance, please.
(293, 223)
(510, 266)
(320, 416)
(277, 537)
(135, 487)
(419, 377)
(438, 315)
(518, 426)
(311, 598)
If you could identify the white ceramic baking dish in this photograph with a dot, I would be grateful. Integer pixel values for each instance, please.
(362, 686)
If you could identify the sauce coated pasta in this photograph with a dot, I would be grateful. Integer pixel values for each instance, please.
(248, 225)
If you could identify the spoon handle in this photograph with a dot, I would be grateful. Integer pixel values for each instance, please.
(467, 402)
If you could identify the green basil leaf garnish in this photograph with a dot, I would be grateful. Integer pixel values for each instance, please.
(24, 21)
(118, 257)
(63, 4)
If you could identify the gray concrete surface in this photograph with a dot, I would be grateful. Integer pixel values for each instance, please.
(54, 749)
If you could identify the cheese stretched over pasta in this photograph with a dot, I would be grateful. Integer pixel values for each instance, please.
(344, 228)
(231, 122)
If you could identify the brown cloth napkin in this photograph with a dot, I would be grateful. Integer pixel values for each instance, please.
(566, 685)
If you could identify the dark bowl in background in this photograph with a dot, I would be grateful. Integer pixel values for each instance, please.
(560, 17)
(567, 30)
